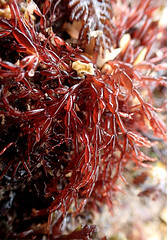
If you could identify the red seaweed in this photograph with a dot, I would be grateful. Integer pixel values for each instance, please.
(62, 112)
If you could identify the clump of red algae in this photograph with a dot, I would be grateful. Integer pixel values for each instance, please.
(77, 81)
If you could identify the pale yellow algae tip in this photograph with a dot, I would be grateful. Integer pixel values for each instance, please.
(83, 68)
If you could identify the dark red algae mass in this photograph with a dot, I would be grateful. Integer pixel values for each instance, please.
(77, 80)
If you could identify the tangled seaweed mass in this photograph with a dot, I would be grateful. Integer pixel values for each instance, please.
(77, 80)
